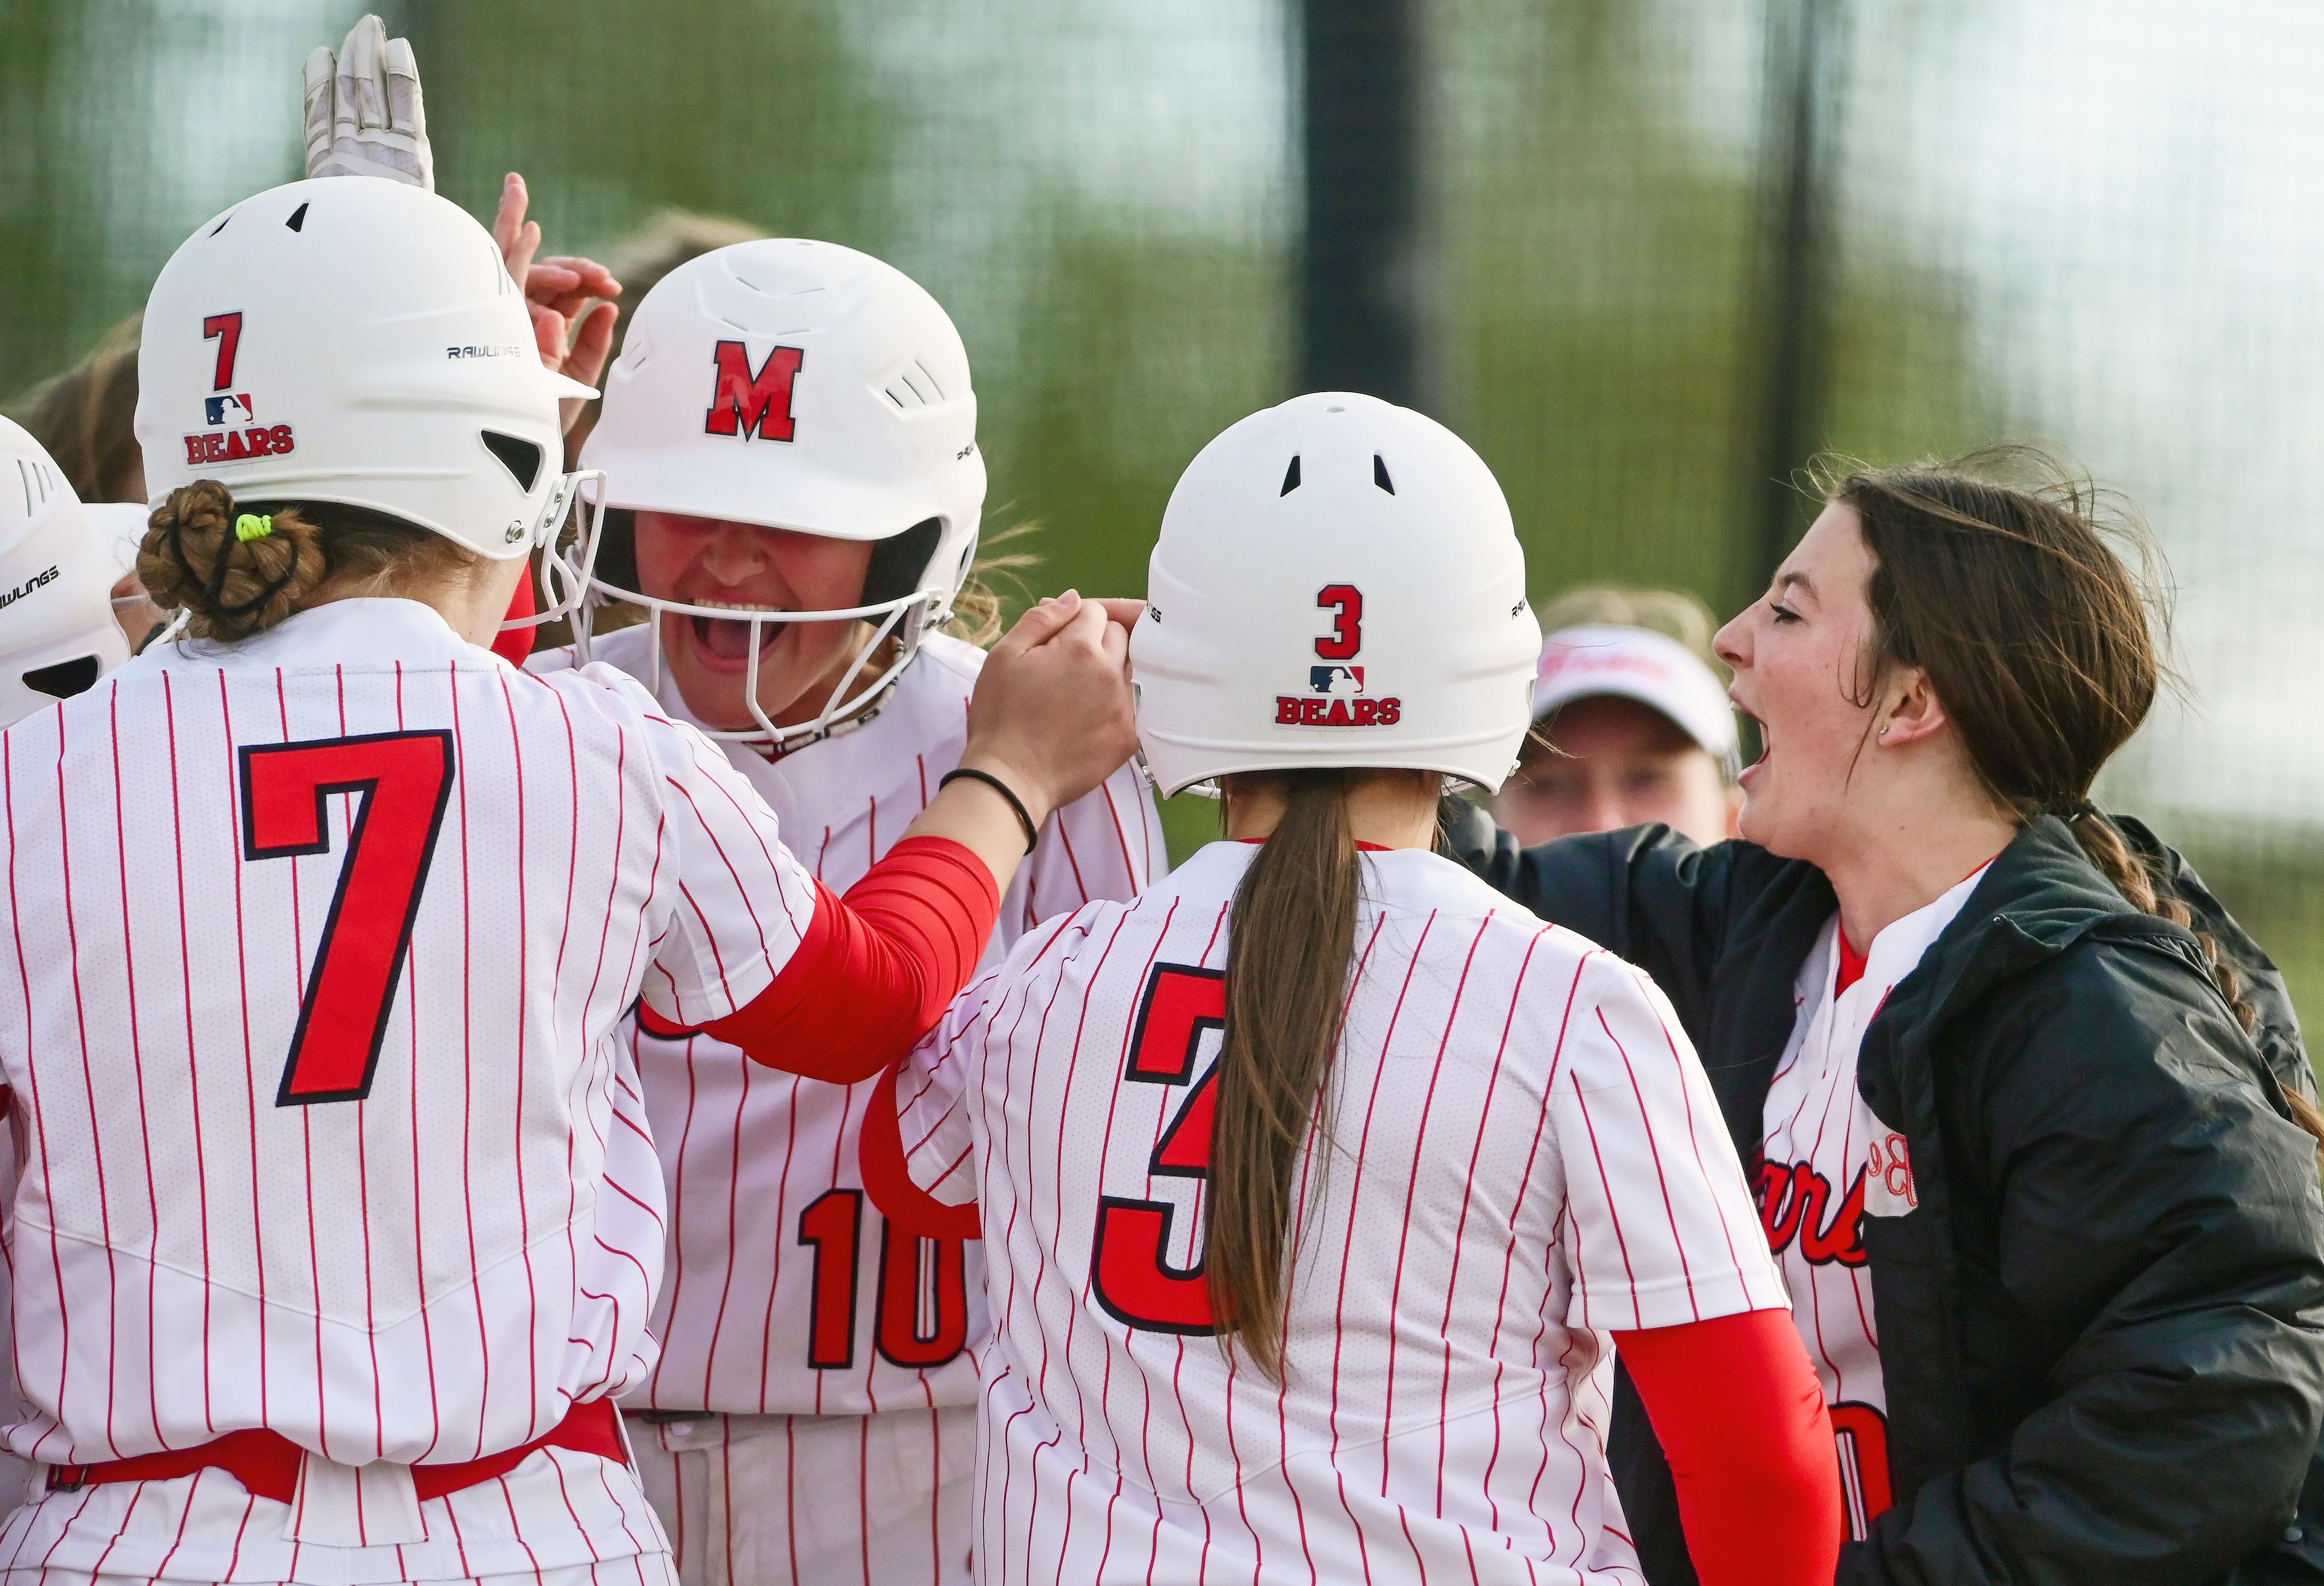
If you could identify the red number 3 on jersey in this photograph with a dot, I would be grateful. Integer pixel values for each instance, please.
(403, 781)
(1133, 1279)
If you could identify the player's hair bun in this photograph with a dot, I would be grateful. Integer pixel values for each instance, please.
(234, 584)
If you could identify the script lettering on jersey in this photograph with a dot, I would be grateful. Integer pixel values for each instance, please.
(403, 782)
(744, 404)
(1792, 1197)
(1132, 1277)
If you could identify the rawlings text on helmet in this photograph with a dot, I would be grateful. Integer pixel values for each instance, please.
(11, 596)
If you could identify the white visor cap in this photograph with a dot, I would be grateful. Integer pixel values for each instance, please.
(1601, 659)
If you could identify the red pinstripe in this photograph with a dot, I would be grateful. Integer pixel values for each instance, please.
(1412, 1182)
(136, 1054)
(88, 1081)
(1654, 1152)
(194, 1067)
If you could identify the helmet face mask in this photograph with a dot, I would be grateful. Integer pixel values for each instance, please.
(798, 385)
(904, 617)
(1337, 583)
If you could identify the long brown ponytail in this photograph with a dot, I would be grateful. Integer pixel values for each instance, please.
(1290, 942)
(1994, 574)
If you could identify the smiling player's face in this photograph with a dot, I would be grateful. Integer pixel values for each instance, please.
(708, 561)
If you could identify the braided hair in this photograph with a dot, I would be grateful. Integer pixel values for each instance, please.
(237, 571)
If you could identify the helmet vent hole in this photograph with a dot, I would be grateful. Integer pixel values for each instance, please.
(65, 678)
(221, 225)
(1379, 475)
(298, 221)
(914, 387)
(1290, 477)
(520, 457)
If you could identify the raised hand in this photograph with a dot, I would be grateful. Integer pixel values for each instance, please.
(572, 322)
(364, 112)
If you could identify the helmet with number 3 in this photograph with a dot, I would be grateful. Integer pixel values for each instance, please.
(57, 571)
(801, 385)
(1337, 583)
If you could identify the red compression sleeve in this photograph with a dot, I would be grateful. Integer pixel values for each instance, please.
(1740, 1415)
(876, 969)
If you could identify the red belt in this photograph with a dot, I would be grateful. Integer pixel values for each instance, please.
(266, 1462)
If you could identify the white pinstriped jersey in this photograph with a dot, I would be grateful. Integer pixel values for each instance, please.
(1827, 1163)
(1519, 1154)
(784, 1292)
(311, 999)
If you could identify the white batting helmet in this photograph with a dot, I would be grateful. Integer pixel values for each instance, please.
(57, 632)
(801, 385)
(358, 342)
(1337, 583)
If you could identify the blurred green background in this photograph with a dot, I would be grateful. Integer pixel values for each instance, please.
(2098, 221)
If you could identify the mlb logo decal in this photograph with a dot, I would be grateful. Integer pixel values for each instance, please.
(1336, 679)
(227, 410)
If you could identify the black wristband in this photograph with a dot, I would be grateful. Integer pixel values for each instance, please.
(1024, 816)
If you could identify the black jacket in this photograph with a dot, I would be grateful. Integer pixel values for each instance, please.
(2102, 1331)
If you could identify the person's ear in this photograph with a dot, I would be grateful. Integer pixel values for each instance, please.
(1910, 710)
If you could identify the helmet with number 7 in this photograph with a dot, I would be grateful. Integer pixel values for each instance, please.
(57, 571)
(1337, 583)
(359, 342)
(801, 385)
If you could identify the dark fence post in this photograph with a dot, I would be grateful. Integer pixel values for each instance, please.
(1802, 52)
(1361, 270)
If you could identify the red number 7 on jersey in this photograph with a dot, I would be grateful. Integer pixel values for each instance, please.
(1132, 1278)
(403, 781)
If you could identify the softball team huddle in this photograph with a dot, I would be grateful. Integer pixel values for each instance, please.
(737, 1098)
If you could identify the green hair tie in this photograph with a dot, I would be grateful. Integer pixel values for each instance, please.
(250, 526)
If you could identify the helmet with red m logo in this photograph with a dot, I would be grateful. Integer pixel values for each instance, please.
(801, 385)
(1337, 583)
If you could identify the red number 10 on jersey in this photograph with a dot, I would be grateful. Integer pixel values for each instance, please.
(1133, 1278)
